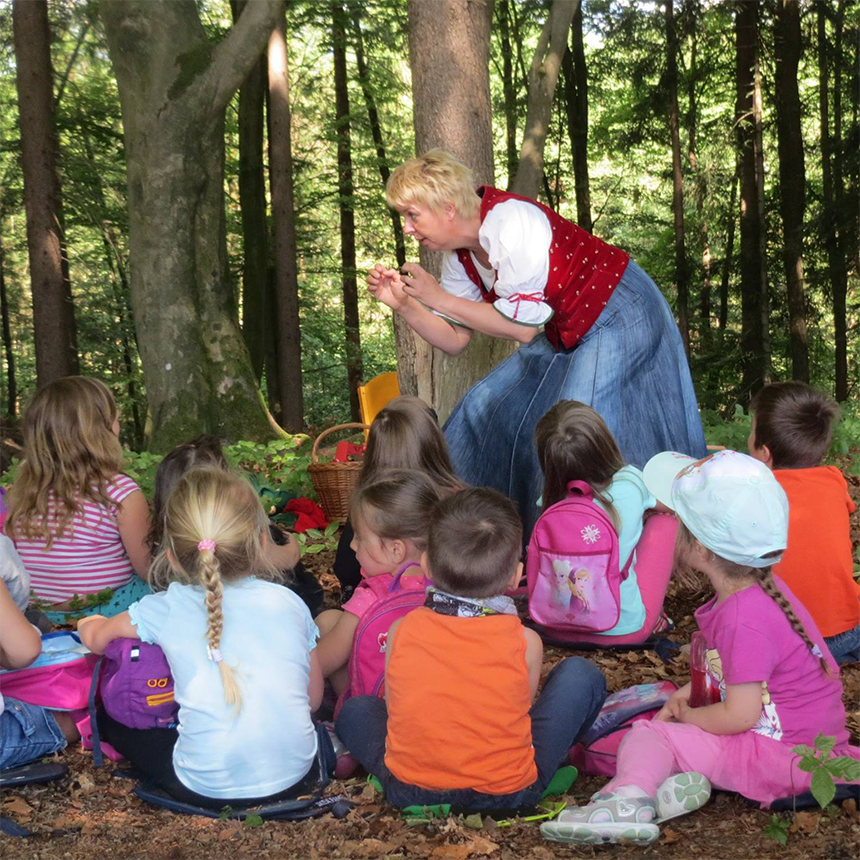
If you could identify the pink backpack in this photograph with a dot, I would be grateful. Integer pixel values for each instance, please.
(367, 661)
(58, 679)
(572, 567)
(597, 753)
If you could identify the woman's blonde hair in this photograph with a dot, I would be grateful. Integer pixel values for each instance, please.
(434, 179)
(574, 444)
(208, 508)
(406, 435)
(686, 541)
(70, 455)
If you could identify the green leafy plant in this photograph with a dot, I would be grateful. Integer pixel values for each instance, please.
(322, 540)
(253, 820)
(225, 813)
(81, 603)
(825, 769)
(777, 829)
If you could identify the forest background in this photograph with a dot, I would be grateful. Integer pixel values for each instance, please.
(679, 131)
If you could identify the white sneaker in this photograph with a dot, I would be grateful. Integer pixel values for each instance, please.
(680, 794)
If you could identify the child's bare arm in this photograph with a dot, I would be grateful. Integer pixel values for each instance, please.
(97, 632)
(738, 713)
(316, 683)
(335, 645)
(20, 642)
(679, 699)
(132, 521)
(534, 659)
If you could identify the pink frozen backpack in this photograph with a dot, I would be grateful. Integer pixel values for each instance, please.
(367, 661)
(572, 567)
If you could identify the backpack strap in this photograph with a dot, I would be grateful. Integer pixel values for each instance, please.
(98, 757)
(581, 488)
(395, 583)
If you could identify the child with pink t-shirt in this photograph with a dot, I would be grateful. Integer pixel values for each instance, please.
(779, 685)
(391, 518)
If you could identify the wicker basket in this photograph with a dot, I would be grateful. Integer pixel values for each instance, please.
(334, 481)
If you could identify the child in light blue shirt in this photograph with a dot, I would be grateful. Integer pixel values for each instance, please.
(240, 649)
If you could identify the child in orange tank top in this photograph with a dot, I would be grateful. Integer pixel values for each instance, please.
(791, 432)
(460, 722)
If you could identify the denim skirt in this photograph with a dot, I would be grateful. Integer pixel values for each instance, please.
(630, 367)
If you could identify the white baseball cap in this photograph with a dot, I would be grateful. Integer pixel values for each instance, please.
(730, 502)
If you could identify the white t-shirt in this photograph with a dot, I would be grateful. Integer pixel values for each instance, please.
(516, 236)
(267, 638)
(13, 573)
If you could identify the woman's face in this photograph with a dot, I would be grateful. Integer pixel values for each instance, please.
(432, 228)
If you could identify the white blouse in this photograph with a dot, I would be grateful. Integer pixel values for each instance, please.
(516, 236)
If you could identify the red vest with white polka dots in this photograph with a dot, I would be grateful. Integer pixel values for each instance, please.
(583, 272)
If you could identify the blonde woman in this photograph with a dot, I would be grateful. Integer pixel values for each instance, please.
(512, 267)
(79, 524)
(240, 649)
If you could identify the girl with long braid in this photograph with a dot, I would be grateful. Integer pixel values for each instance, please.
(780, 686)
(240, 648)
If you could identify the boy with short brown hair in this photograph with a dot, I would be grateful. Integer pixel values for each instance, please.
(791, 432)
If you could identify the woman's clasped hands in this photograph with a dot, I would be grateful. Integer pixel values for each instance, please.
(393, 287)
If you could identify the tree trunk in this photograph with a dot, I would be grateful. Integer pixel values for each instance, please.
(752, 334)
(53, 312)
(576, 92)
(792, 177)
(288, 340)
(699, 176)
(8, 351)
(543, 76)
(836, 263)
(346, 202)
(730, 249)
(842, 219)
(681, 275)
(510, 92)
(174, 87)
(376, 132)
(449, 45)
(252, 201)
(758, 114)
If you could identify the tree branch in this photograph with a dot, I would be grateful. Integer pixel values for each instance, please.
(233, 58)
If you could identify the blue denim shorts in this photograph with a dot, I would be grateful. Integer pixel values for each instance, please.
(27, 732)
(845, 647)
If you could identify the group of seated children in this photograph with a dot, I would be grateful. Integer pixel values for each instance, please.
(461, 721)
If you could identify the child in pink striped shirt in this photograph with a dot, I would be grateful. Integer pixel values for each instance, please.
(78, 523)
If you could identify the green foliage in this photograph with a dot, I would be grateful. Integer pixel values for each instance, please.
(777, 829)
(253, 820)
(322, 540)
(825, 769)
(284, 462)
(226, 812)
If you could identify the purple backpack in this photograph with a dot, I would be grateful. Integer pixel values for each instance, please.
(136, 686)
(572, 567)
(367, 660)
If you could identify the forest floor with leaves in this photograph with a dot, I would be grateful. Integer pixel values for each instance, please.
(91, 814)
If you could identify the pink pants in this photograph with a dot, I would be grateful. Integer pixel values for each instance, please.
(750, 764)
(655, 555)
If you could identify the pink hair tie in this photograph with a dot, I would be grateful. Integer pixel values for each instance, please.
(206, 544)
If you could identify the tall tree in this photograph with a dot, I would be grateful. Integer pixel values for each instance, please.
(8, 351)
(346, 203)
(543, 77)
(252, 200)
(449, 45)
(576, 101)
(286, 282)
(509, 91)
(174, 87)
(53, 312)
(792, 176)
(754, 357)
(832, 179)
(681, 272)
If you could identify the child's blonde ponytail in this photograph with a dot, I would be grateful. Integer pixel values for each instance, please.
(210, 579)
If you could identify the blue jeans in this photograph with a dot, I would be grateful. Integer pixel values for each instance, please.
(569, 703)
(630, 367)
(845, 647)
(27, 732)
